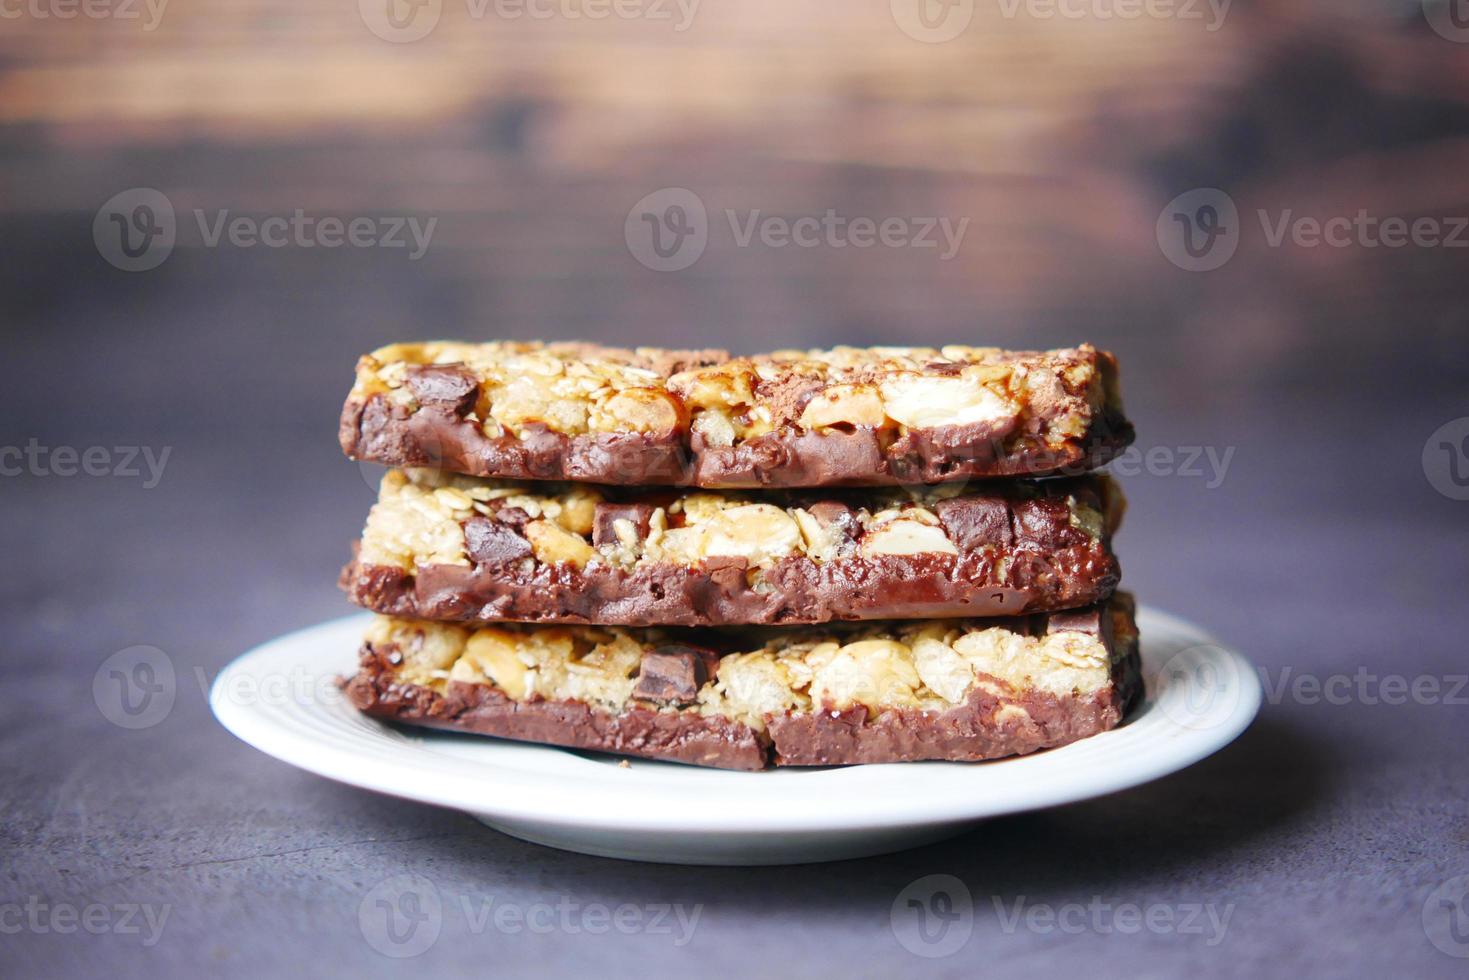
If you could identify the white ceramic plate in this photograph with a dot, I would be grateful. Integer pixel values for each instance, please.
(280, 698)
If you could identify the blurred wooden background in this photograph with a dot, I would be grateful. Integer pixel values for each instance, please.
(1059, 139)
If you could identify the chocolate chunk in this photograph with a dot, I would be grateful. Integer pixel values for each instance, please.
(720, 563)
(513, 516)
(1088, 494)
(833, 514)
(666, 363)
(673, 674)
(944, 369)
(448, 385)
(1046, 521)
(788, 395)
(1087, 620)
(976, 521)
(491, 542)
(606, 513)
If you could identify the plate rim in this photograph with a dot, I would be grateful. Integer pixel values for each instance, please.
(550, 799)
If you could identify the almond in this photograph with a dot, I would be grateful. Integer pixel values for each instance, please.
(858, 405)
(759, 533)
(907, 537)
(579, 510)
(646, 410)
(494, 652)
(873, 673)
(925, 402)
(727, 386)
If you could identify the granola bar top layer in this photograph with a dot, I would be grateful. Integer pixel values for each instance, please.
(942, 689)
(445, 547)
(962, 690)
(847, 416)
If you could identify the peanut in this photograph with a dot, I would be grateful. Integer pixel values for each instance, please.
(552, 545)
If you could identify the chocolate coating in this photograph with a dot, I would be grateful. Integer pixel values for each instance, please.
(479, 708)
(438, 434)
(975, 730)
(1020, 553)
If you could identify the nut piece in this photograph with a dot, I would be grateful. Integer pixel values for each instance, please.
(730, 385)
(702, 507)
(829, 528)
(647, 410)
(552, 545)
(1060, 663)
(493, 651)
(857, 405)
(869, 672)
(750, 688)
(578, 510)
(524, 397)
(426, 649)
(943, 671)
(818, 544)
(759, 533)
(904, 537)
(925, 402)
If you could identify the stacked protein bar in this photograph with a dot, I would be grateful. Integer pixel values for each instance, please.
(802, 558)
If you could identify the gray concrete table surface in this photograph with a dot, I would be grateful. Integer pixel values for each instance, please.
(1326, 840)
